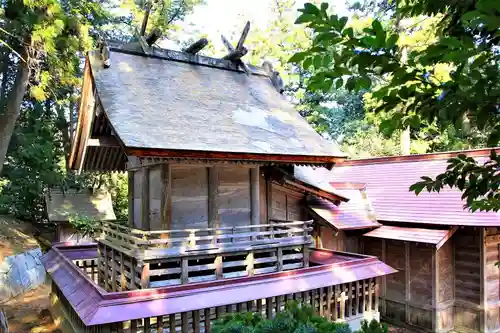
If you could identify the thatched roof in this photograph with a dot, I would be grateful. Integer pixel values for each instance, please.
(173, 105)
(60, 206)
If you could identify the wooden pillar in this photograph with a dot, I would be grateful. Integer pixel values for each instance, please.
(113, 271)
(483, 281)
(166, 198)
(207, 322)
(254, 195)
(250, 263)
(184, 270)
(407, 281)
(213, 196)
(131, 198)
(145, 199)
(145, 276)
(435, 292)
(171, 322)
(269, 199)
(383, 287)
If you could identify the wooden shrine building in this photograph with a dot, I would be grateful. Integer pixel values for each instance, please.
(217, 218)
(446, 256)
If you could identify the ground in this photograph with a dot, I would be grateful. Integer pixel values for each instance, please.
(27, 313)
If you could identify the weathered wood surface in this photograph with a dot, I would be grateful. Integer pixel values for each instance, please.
(197, 46)
(234, 197)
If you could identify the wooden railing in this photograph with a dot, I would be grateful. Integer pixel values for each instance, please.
(135, 259)
(343, 303)
(189, 240)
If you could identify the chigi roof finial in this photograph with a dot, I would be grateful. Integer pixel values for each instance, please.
(235, 54)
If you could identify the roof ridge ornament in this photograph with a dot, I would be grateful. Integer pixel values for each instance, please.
(274, 76)
(103, 47)
(197, 46)
(235, 54)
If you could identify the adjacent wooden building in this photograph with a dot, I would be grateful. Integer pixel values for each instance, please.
(218, 219)
(445, 256)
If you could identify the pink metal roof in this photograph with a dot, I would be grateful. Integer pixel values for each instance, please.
(95, 306)
(354, 214)
(436, 237)
(388, 180)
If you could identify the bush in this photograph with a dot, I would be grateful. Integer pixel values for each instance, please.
(296, 318)
(373, 327)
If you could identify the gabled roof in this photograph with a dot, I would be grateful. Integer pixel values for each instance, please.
(351, 215)
(62, 205)
(177, 106)
(436, 237)
(388, 179)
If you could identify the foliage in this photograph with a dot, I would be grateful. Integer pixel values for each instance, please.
(449, 81)
(373, 327)
(296, 318)
(480, 183)
(85, 225)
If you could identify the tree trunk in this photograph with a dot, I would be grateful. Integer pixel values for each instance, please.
(13, 108)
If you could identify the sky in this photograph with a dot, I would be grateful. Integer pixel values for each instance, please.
(217, 17)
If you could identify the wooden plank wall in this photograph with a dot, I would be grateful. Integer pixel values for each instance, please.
(492, 279)
(331, 241)
(155, 194)
(446, 287)
(286, 203)
(189, 197)
(234, 196)
(137, 192)
(467, 278)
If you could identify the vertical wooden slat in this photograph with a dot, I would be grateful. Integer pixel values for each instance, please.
(207, 320)
(123, 278)
(383, 286)
(184, 322)
(159, 324)
(133, 325)
(184, 270)
(113, 271)
(254, 195)
(218, 312)
(145, 199)
(356, 311)
(147, 325)
(131, 198)
(145, 276)
(239, 307)
(364, 297)
(349, 301)
(329, 300)
(269, 198)
(133, 273)
(259, 306)
(250, 306)
(279, 257)
(166, 198)
(196, 321)
(218, 267)
(371, 290)
(269, 307)
(342, 303)
(335, 299)
(213, 197)
(171, 323)
(250, 263)
(306, 255)
(106, 268)
(377, 292)
(321, 301)
(314, 303)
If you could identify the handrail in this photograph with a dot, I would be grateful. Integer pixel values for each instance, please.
(139, 239)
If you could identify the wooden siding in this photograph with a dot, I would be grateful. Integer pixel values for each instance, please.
(467, 266)
(492, 279)
(137, 199)
(189, 197)
(331, 241)
(395, 257)
(446, 272)
(421, 273)
(234, 196)
(155, 194)
(263, 199)
(286, 203)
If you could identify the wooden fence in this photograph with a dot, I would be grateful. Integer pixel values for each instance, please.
(344, 302)
(135, 259)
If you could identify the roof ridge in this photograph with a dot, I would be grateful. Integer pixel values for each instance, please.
(480, 152)
(181, 56)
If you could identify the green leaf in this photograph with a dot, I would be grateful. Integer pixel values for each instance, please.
(342, 23)
(391, 41)
(339, 83)
(307, 63)
(377, 26)
(324, 6)
(298, 57)
(309, 8)
(305, 18)
(318, 60)
(364, 82)
(351, 83)
(349, 32)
